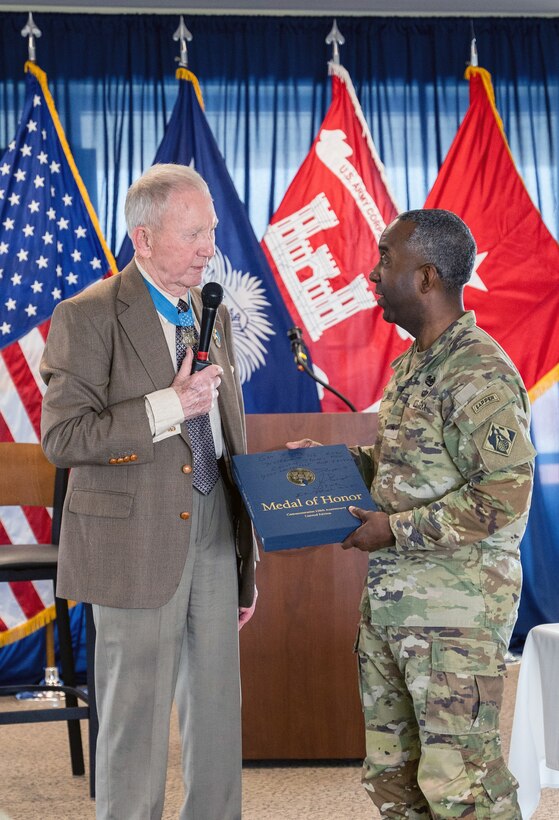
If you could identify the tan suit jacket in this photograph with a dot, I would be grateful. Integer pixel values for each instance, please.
(124, 541)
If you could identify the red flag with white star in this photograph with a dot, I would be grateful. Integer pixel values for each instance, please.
(322, 243)
(514, 290)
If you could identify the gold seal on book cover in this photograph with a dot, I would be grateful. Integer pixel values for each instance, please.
(301, 476)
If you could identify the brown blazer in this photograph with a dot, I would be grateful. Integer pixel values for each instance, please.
(123, 541)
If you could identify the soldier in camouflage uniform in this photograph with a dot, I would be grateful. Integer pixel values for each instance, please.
(451, 473)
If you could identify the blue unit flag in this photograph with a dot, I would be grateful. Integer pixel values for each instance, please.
(271, 382)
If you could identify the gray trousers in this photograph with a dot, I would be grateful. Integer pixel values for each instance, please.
(187, 651)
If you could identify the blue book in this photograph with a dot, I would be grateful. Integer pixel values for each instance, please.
(300, 498)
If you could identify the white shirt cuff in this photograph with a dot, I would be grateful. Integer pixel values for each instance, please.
(164, 412)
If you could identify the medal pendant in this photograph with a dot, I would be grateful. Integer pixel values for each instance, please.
(188, 336)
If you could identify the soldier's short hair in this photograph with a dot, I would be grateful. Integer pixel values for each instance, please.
(446, 242)
(147, 197)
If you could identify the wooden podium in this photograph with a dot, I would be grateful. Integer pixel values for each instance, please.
(298, 670)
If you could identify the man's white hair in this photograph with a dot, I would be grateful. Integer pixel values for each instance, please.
(147, 197)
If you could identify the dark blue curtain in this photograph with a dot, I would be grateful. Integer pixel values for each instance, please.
(266, 90)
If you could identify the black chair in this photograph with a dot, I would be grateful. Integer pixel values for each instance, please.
(28, 479)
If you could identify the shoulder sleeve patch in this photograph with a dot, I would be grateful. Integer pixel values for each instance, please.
(499, 439)
(481, 405)
(494, 429)
(503, 441)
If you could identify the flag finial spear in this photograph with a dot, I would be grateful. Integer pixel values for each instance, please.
(31, 31)
(183, 35)
(473, 52)
(337, 39)
(473, 46)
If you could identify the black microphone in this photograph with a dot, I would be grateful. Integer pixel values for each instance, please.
(212, 296)
(295, 336)
(299, 350)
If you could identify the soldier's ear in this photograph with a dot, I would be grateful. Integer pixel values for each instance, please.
(429, 277)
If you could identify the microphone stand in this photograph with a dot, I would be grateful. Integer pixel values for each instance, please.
(301, 360)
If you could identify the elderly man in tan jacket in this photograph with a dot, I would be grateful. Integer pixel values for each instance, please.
(153, 533)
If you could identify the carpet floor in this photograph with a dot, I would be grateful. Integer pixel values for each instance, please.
(36, 783)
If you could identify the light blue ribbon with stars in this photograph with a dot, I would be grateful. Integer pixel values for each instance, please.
(168, 309)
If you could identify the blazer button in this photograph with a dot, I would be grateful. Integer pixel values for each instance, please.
(120, 460)
(126, 459)
(186, 468)
(185, 516)
(133, 457)
(112, 461)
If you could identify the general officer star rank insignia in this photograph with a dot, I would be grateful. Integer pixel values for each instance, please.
(499, 439)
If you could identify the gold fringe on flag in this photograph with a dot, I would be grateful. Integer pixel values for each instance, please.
(38, 621)
(25, 628)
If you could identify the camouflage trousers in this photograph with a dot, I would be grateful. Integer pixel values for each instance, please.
(431, 700)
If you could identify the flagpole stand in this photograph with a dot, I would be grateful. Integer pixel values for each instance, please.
(52, 678)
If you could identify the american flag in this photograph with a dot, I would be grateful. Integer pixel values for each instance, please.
(51, 247)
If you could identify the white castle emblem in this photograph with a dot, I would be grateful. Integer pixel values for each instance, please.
(245, 297)
(308, 272)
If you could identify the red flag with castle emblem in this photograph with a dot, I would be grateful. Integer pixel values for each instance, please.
(322, 243)
(514, 290)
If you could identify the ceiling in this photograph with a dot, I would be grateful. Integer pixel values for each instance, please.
(304, 7)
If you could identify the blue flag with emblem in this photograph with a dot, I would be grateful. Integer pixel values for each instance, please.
(271, 382)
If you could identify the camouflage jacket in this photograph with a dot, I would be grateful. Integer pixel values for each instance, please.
(453, 467)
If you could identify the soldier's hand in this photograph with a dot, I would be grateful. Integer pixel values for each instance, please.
(197, 391)
(373, 534)
(304, 442)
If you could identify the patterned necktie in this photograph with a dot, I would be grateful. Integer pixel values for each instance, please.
(206, 471)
